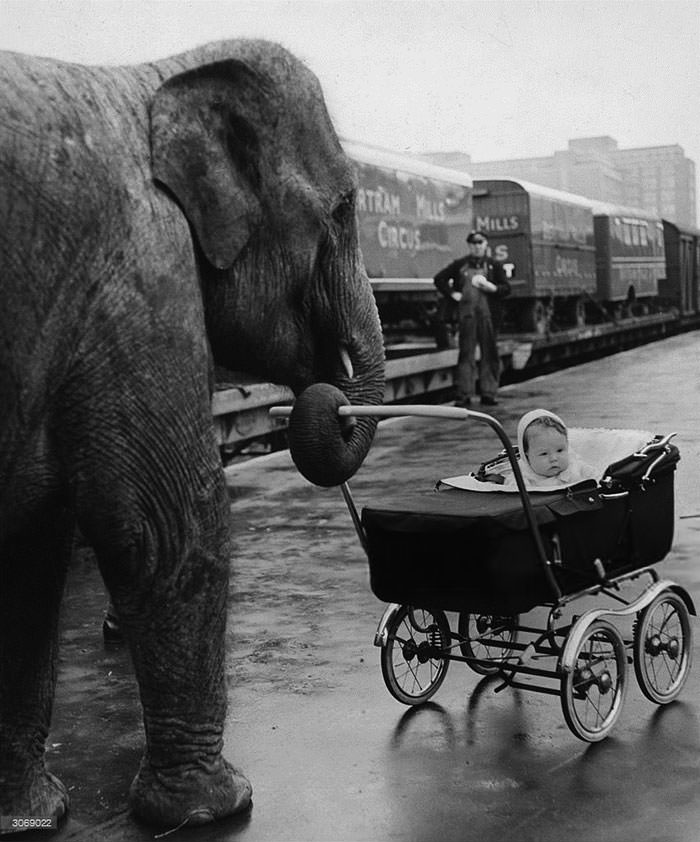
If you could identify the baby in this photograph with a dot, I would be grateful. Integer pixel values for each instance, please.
(545, 458)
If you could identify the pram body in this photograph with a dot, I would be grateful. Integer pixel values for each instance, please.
(480, 550)
(493, 557)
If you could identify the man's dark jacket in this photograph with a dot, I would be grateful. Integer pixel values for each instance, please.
(456, 278)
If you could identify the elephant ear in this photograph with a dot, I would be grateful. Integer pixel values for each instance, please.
(205, 149)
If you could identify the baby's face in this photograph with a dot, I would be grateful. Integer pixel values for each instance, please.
(547, 452)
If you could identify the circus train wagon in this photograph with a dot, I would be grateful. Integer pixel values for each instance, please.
(570, 260)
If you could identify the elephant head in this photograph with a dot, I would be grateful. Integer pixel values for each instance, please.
(246, 146)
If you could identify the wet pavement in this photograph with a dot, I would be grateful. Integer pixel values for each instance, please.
(331, 755)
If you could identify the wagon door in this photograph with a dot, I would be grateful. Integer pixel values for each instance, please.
(563, 254)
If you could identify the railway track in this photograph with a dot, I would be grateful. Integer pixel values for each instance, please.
(417, 372)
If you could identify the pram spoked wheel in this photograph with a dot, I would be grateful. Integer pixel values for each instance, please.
(486, 639)
(593, 691)
(663, 647)
(414, 659)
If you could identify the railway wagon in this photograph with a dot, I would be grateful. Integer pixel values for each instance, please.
(545, 238)
(630, 257)
(413, 219)
(680, 287)
(570, 259)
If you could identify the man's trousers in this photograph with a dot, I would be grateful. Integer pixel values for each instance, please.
(475, 329)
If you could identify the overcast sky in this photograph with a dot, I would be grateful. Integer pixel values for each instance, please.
(490, 78)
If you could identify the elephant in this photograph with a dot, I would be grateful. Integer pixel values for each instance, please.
(156, 221)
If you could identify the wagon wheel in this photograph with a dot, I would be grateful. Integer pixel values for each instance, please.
(578, 311)
(475, 629)
(663, 647)
(415, 657)
(593, 691)
(535, 317)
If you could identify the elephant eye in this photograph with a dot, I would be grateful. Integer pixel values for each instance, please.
(344, 209)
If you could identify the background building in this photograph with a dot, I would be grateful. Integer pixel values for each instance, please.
(656, 178)
(660, 177)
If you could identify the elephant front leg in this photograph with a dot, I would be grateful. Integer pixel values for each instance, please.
(174, 621)
(33, 576)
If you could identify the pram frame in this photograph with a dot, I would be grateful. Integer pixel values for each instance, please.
(582, 628)
(446, 413)
(458, 414)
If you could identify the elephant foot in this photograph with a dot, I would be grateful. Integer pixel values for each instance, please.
(45, 798)
(194, 795)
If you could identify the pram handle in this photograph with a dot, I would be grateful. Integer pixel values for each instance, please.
(417, 410)
(663, 446)
(448, 413)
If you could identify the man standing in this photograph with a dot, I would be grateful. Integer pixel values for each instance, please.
(468, 284)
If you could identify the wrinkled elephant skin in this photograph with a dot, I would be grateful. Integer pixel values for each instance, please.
(154, 221)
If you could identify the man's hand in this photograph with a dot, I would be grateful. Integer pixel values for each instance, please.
(480, 282)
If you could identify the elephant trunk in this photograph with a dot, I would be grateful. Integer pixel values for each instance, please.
(327, 449)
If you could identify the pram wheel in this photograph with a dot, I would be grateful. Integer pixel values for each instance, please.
(663, 647)
(486, 639)
(414, 658)
(593, 691)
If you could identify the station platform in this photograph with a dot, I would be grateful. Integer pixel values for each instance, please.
(331, 755)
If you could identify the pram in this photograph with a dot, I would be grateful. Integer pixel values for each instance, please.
(492, 557)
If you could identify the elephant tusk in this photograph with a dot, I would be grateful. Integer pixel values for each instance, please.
(347, 362)
(346, 427)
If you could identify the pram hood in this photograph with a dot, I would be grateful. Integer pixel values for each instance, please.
(597, 446)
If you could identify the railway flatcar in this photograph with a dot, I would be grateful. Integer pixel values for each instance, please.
(545, 239)
(413, 219)
(630, 258)
(680, 286)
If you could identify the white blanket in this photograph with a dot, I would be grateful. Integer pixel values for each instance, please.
(599, 447)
